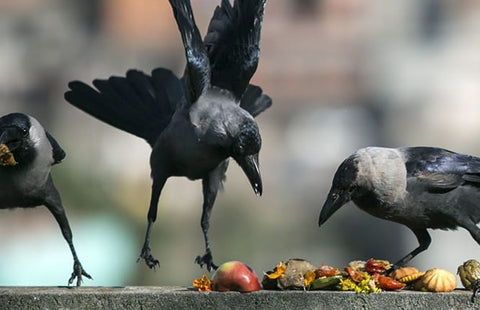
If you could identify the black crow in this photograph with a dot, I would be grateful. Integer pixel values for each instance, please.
(193, 127)
(27, 155)
(419, 187)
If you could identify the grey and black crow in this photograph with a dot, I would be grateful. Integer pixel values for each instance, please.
(194, 124)
(26, 182)
(419, 187)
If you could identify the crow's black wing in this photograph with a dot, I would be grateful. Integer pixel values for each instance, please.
(57, 152)
(440, 169)
(233, 43)
(198, 68)
(138, 103)
(254, 101)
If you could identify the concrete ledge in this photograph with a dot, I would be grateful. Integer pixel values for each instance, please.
(183, 298)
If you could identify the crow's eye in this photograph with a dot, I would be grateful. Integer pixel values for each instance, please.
(24, 132)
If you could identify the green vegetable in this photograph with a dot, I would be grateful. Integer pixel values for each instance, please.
(325, 282)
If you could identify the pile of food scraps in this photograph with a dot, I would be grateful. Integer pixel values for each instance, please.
(371, 276)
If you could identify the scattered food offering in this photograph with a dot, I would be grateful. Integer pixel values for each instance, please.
(371, 276)
(230, 276)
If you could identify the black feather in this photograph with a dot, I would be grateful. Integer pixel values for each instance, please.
(57, 151)
(139, 104)
(198, 66)
(254, 101)
(233, 43)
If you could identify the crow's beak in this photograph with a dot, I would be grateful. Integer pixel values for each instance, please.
(249, 165)
(334, 201)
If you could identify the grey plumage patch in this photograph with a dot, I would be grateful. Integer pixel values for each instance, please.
(37, 173)
(383, 171)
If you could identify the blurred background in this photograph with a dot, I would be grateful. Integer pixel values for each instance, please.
(342, 74)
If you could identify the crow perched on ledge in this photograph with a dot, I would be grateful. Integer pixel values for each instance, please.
(419, 187)
(196, 127)
(28, 153)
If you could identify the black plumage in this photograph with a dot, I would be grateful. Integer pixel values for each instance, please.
(196, 123)
(28, 183)
(419, 187)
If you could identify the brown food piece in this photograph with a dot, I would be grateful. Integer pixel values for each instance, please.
(294, 274)
(401, 274)
(387, 283)
(469, 273)
(437, 280)
(6, 157)
(326, 271)
(377, 266)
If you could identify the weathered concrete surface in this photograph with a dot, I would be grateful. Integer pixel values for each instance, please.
(181, 298)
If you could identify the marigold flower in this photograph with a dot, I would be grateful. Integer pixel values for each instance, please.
(203, 284)
(279, 272)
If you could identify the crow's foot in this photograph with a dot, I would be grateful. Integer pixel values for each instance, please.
(475, 289)
(146, 254)
(77, 273)
(206, 260)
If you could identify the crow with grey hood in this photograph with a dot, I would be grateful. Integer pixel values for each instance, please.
(419, 187)
(194, 124)
(28, 153)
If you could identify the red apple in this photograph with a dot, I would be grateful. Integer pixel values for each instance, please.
(235, 276)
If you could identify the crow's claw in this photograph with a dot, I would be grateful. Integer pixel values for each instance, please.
(206, 260)
(475, 289)
(146, 254)
(77, 273)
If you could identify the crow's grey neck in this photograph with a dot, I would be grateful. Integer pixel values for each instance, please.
(36, 173)
(382, 170)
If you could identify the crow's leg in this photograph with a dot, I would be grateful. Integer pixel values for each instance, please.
(211, 185)
(424, 241)
(146, 253)
(54, 203)
(209, 195)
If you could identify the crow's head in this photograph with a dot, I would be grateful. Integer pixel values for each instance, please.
(16, 133)
(343, 187)
(245, 148)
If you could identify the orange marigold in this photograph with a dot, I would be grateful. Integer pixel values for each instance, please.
(203, 284)
(279, 272)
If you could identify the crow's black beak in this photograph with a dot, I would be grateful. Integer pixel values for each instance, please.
(11, 137)
(249, 165)
(334, 201)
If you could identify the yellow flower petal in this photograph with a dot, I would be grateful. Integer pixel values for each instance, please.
(308, 278)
